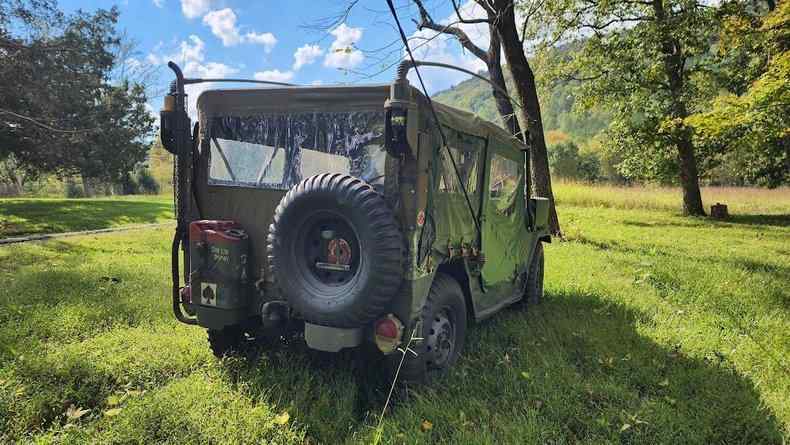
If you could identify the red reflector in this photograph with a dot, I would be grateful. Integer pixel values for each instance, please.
(186, 294)
(386, 327)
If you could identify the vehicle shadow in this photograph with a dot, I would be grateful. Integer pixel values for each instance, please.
(576, 368)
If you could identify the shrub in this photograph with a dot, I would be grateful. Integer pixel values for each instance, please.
(73, 190)
(128, 185)
(146, 182)
(567, 162)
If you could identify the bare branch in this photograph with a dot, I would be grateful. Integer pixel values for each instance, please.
(467, 21)
(45, 126)
(426, 22)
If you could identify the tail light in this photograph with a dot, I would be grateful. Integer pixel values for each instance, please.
(388, 332)
(186, 294)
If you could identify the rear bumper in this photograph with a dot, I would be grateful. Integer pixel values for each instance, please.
(329, 339)
(218, 318)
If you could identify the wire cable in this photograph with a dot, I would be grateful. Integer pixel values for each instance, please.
(435, 118)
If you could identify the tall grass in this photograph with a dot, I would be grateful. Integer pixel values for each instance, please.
(740, 200)
(655, 329)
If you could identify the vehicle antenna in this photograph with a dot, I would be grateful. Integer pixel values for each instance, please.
(435, 118)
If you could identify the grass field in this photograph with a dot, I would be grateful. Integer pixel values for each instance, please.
(655, 329)
(743, 202)
(25, 216)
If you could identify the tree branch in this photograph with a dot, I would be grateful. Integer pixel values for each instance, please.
(427, 22)
(467, 21)
(45, 126)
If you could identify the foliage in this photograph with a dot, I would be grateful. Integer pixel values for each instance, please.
(646, 65)
(146, 182)
(160, 163)
(752, 129)
(664, 333)
(567, 162)
(127, 185)
(557, 107)
(73, 190)
(60, 112)
(14, 176)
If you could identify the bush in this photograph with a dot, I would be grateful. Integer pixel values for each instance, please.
(146, 182)
(127, 185)
(567, 162)
(73, 190)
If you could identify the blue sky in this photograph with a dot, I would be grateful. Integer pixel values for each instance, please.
(272, 40)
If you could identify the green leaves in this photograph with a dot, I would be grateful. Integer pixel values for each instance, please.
(749, 129)
(69, 115)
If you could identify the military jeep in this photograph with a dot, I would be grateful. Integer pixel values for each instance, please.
(347, 215)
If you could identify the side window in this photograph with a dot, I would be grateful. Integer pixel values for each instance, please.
(504, 181)
(467, 151)
(467, 163)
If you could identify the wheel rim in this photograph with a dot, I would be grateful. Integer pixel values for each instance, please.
(441, 339)
(331, 250)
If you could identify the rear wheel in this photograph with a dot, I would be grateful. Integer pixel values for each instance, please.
(226, 341)
(443, 331)
(533, 294)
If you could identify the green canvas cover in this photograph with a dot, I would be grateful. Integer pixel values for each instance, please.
(496, 189)
(271, 119)
(356, 112)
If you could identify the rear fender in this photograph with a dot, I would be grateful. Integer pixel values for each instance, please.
(458, 271)
(541, 207)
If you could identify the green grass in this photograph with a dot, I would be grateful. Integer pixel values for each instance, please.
(25, 216)
(655, 329)
(751, 201)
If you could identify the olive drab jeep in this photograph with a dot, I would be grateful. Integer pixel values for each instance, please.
(348, 215)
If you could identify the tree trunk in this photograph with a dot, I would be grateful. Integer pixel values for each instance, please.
(689, 177)
(87, 186)
(524, 80)
(19, 184)
(503, 104)
(674, 62)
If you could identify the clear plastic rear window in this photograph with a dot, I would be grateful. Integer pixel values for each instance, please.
(277, 151)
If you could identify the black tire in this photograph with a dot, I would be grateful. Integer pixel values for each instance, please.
(364, 232)
(227, 341)
(447, 298)
(533, 293)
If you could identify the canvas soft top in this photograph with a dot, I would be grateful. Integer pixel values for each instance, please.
(252, 101)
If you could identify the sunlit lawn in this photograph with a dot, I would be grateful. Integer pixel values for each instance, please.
(749, 201)
(45, 215)
(655, 329)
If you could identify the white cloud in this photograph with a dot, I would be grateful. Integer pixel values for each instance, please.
(306, 55)
(191, 57)
(223, 25)
(159, 3)
(343, 52)
(195, 8)
(274, 75)
(446, 49)
(266, 39)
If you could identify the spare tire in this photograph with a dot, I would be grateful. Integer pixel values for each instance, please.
(335, 251)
